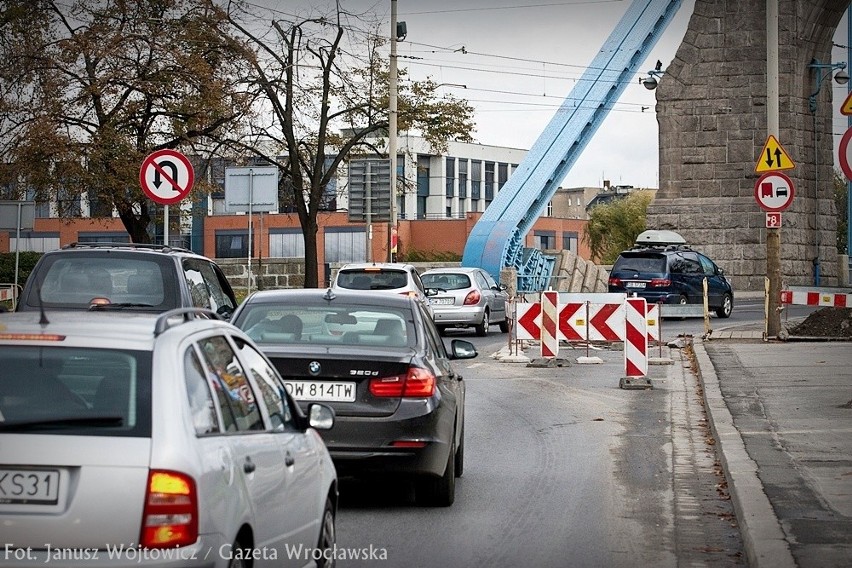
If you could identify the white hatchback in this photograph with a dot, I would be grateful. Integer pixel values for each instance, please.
(169, 440)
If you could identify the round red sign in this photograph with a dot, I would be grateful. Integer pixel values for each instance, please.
(166, 176)
(774, 191)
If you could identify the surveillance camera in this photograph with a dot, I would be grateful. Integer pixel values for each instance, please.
(841, 77)
(649, 83)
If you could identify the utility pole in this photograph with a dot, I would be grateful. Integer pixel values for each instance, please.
(773, 235)
(392, 127)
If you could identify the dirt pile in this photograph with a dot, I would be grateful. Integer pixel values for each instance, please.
(826, 322)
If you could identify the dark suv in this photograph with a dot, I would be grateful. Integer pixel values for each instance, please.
(672, 274)
(126, 276)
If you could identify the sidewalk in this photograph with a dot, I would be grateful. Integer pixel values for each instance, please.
(781, 413)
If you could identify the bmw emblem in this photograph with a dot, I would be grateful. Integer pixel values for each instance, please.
(314, 368)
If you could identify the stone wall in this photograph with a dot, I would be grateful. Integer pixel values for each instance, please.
(712, 115)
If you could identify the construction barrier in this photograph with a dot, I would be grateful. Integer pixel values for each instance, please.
(816, 298)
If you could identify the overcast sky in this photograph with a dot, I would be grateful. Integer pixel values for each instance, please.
(519, 59)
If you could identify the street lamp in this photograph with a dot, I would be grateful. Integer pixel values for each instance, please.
(822, 71)
(650, 82)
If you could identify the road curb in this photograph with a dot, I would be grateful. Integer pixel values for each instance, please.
(763, 538)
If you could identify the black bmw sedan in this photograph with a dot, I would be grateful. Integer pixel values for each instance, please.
(379, 362)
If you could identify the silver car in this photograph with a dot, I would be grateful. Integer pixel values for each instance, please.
(169, 440)
(466, 297)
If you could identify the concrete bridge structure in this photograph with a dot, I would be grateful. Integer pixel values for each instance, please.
(711, 109)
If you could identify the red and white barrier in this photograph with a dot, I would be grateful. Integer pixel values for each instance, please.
(6, 294)
(816, 298)
(652, 319)
(549, 318)
(528, 321)
(636, 339)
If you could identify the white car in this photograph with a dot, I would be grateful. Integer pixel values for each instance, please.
(398, 278)
(168, 440)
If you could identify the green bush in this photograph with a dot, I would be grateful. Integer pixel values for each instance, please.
(26, 262)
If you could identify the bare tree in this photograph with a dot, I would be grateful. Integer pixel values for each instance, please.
(321, 88)
(89, 87)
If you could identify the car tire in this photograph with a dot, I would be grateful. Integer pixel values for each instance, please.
(683, 300)
(327, 537)
(504, 326)
(459, 459)
(240, 562)
(724, 311)
(441, 491)
(482, 328)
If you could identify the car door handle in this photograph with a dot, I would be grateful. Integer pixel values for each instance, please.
(249, 466)
(289, 459)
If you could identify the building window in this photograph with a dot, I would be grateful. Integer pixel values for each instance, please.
(106, 237)
(502, 175)
(462, 179)
(489, 182)
(569, 241)
(32, 241)
(544, 240)
(345, 244)
(286, 243)
(475, 180)
(451, 176)
(549, 211)
(232, 244)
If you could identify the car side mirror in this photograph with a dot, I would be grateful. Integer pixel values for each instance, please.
(225, 311)
(462, 349)
(320, 416)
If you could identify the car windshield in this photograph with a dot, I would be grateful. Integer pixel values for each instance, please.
(640, 263)
(446, 281)
(73, 280)
(326, 324)
(369, 279)
(69, 390)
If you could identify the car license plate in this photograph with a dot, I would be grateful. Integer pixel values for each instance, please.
(442, 301)
(29, 486)
(323, 391)
(635, 285)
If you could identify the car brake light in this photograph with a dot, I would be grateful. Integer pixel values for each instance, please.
(417, 383)
(170, 517)
(31, 337)
(660, 282)
(472, 298)
(408, 444)
(613, 281)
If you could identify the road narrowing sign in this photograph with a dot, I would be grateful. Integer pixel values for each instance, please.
(166, 176)
(773, 157)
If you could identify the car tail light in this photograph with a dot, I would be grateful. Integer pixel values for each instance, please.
(472, 298)
(170, 517)
(660, 282)
(417, 383)
(613, 281)
(408, 444)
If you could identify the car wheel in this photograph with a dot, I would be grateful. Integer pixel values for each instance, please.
(683, 300)
(459, 465)
(440, 492)
(482, 328)
(724, 311)
(239, 560)
(504, 326)
(327, 538)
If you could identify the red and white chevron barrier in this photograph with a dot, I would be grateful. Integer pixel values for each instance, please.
(6, 294)
(653, 322)
(816, 298)
(549, 318)
(636, 339)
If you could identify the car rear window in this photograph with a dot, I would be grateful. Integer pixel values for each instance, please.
(446, 281)
(326, 324)
(372, 279)
(655, 263)
(73, 280)
(72, 390)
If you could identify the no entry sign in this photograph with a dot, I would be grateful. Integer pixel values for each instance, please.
(166, 176)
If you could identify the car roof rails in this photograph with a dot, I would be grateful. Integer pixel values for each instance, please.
(121, 244)
(164, 320)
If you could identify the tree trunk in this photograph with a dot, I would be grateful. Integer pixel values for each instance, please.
(136, 226)
(311, 255)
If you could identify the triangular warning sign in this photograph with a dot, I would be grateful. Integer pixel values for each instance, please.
(773, 157)
(846, 107)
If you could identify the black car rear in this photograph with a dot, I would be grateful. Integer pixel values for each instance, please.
(379, 362)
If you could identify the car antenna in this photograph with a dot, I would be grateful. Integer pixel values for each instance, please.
(43, 319)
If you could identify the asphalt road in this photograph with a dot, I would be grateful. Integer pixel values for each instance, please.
(562, 468)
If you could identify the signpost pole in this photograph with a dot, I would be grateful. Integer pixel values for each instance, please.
(17, 255)
(251, 198)
(166, 225)
(773, 235)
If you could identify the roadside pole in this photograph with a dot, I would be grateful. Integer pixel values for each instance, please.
(773, 235)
